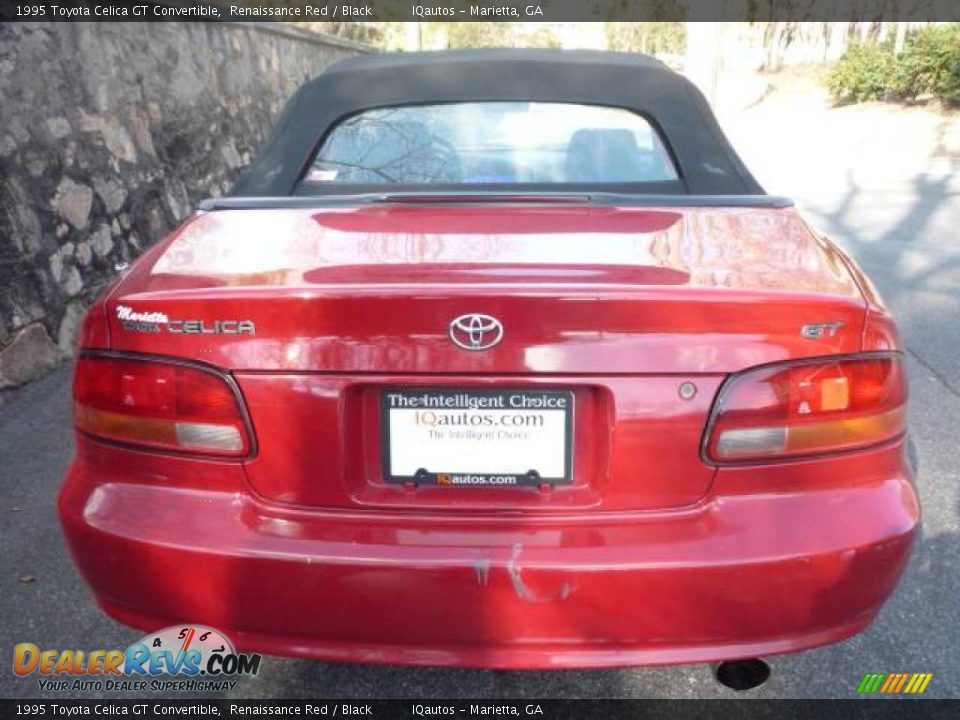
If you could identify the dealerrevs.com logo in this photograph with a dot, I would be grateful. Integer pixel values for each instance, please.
(181, 658)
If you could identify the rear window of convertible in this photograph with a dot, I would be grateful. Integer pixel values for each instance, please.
(501, 143)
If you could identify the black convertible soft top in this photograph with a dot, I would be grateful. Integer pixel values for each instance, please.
(706, 162)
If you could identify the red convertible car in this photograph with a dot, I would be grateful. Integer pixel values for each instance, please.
(500, 359)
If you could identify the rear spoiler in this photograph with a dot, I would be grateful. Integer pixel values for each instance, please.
(496, 197)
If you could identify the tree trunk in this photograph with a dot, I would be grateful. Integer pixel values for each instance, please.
(900, 38)
(836, 40)
(773, 49)
(703, 57)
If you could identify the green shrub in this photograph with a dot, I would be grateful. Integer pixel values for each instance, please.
(928, 65)
(865, 72)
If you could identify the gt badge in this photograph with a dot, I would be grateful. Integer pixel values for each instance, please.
(815, 331)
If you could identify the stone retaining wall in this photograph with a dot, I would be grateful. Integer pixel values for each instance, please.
(109, 135)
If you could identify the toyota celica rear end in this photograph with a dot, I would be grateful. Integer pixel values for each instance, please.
(496, 359)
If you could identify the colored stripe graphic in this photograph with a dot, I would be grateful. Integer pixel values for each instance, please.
(893, 683)
(922, 684)
(890, 682)
(871, 682)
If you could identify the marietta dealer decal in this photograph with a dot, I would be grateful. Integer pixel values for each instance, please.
(156, 322)
(202, 655)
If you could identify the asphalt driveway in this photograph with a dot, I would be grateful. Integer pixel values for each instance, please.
(898, 212)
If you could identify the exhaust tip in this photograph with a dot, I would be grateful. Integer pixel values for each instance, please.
(742, 675)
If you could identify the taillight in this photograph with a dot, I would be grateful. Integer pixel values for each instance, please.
(161, 405)
(808, 407)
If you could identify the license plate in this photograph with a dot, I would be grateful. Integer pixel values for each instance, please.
(464, 437)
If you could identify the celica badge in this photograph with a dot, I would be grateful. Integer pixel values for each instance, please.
(157, 322)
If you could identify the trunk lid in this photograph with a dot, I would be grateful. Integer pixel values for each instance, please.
(578, 289)
(318, 313)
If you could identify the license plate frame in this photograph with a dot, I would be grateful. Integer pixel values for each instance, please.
(399, 404)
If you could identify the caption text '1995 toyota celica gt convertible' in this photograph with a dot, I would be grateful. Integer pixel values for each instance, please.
(498, 359)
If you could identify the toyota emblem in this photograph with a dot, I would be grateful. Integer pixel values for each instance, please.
(474, 331)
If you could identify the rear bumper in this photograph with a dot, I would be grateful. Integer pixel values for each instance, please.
(733, 577)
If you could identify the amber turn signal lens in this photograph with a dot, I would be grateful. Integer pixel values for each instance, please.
(159, 405)
(807, 408)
